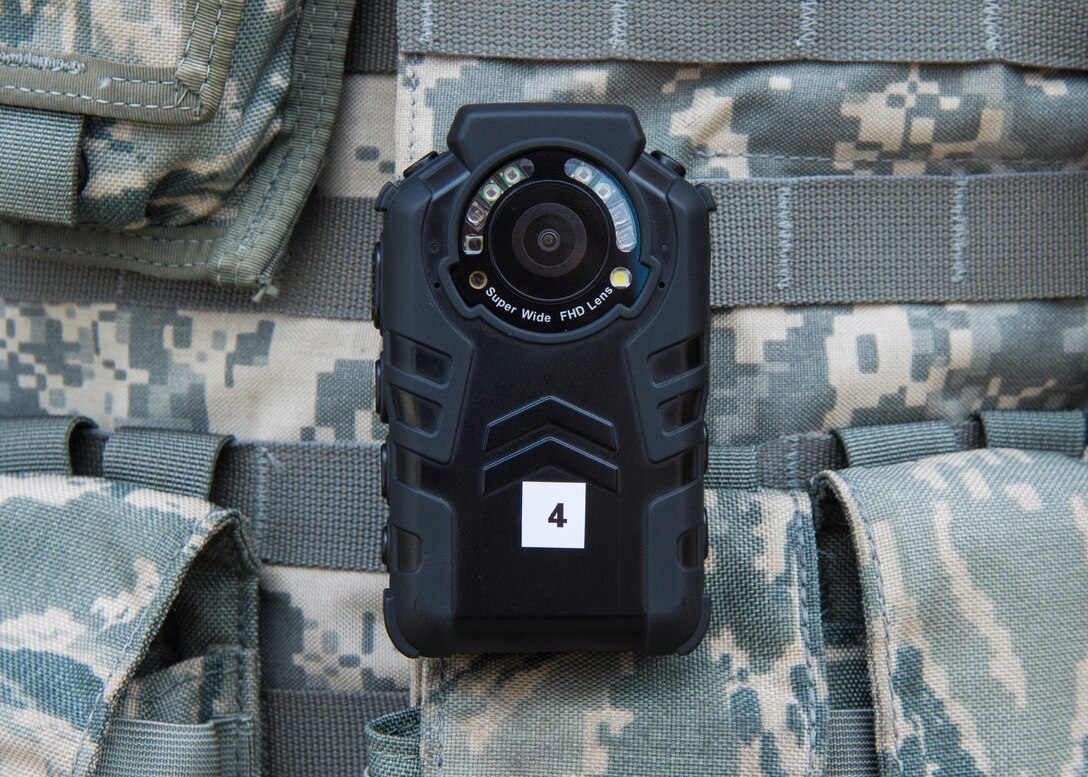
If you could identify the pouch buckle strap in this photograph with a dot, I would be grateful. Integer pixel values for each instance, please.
(164, 459)
(38, 444)
(1061, 431)
(40, 165)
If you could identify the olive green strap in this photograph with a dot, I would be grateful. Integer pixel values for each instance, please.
(1028, 32)
(791, 241)
(874, 446)
(164, 459)
(38, 444)
(1061, 431)
(39, 165)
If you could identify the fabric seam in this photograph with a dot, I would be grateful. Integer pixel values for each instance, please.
(870, 542)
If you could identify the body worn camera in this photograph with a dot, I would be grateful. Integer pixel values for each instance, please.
(543, 293)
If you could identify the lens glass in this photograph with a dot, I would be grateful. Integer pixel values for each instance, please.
(549, 239)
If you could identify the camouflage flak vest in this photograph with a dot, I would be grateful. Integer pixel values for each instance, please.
(190, 567)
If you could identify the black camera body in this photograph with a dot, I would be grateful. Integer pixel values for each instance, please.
(543, 294)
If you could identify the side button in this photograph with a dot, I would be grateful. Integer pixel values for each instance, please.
(383, 457)
(708, 197)
(420, 163)
(669, 163)
(379, 404)
(385, 546)
(376, 285)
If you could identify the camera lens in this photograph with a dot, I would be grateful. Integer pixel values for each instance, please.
(549, 239)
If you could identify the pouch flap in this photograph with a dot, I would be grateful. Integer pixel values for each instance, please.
(161, 63)
(974, 570)
(89, 569)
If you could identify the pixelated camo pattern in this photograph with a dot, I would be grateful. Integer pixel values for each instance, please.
(790, 119)
(773, 370)
(324, 631)
(139, 173)
(975, 574)
(754, 688)
(90, 568)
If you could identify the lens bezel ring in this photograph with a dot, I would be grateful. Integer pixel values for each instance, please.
(500, 303)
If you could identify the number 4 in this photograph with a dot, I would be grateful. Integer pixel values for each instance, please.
(557, 516)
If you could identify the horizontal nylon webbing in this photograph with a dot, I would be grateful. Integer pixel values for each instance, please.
(320, 732)
(1030, 32)
(144, 748)
(318, 504)
(372, 45)
(851, 746)
(326, 273)
(802, 241)
(792, 461)
(312, 504)
(900, 239)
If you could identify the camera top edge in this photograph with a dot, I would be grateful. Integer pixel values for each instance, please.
(479, 130)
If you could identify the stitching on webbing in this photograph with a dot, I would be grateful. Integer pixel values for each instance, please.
(413, 85)
(785, 237)
(426, 21)
(991, 21)
(211, 46)
(177, 106)
(321, 108)
(874, 559)
(137, 628)
(805, 628)
(99, 100)
(153, 81)
(958, 217)
(807, 22)
(618, 37)
(77, 252)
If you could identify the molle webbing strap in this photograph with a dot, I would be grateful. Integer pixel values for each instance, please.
(38, 444)
(311, 504)
(321, 732)
(851, 750)
(393, 745)
(792, 461)
(150, 749)
(1029, 32)
(39, 165)
(318, 504)
(874, 446)
(789, 241)
(165, 460)
(1059, 431)
(372, 46)
(730, 467)
(827, 240)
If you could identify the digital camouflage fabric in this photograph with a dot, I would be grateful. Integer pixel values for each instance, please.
(773, 370)
(202, 131)
(91, 568)
(292, 376)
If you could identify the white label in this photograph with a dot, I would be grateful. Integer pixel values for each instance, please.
(553, 515)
